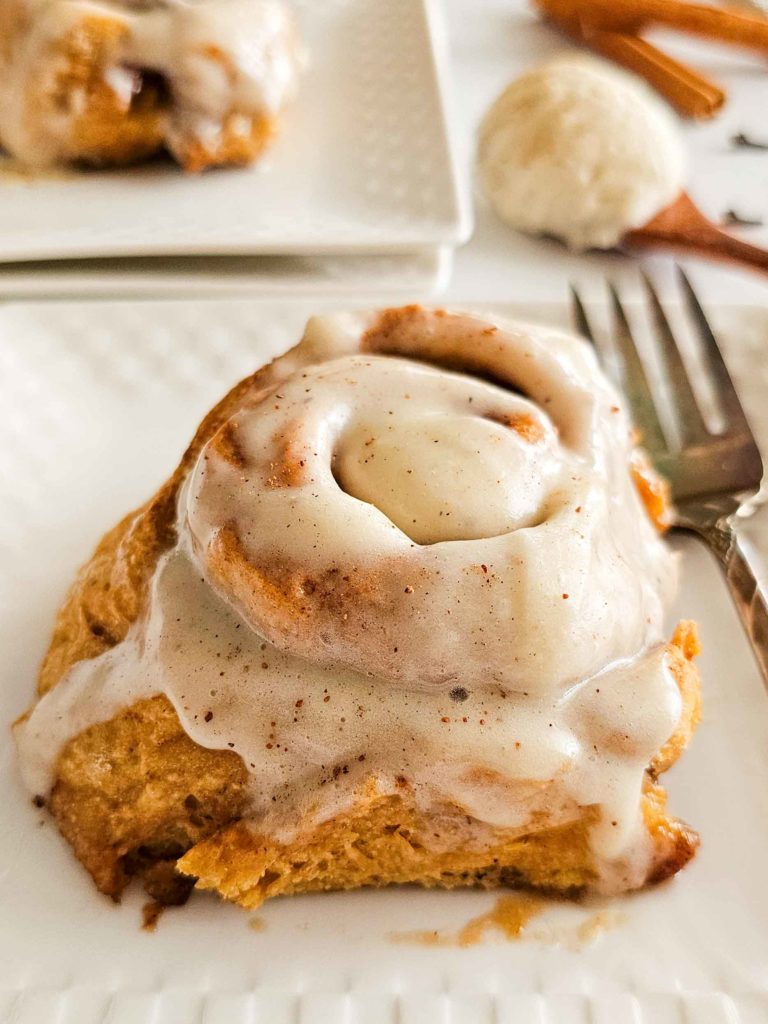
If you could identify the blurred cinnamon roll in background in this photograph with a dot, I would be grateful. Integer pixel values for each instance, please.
(113, 82)
(398, 616)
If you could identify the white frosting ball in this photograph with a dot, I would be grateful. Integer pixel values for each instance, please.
(580, 150)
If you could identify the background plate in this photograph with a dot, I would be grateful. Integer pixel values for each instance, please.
(362, 163)
(205, 276)
(96, 403)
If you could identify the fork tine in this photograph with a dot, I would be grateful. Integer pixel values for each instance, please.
(726, 392)
(579, 314)
(690, 422)
(635, 382)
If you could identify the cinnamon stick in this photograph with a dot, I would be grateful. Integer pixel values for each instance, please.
(689, 92)
(632, 16)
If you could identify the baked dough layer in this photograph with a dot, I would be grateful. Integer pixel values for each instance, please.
(136, 793)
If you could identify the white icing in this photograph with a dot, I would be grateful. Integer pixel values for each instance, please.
(581, 150)
(219, 58)
(392, 463)
(524, 673)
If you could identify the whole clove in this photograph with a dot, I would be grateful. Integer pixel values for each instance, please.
(732, 218)
(743, 141)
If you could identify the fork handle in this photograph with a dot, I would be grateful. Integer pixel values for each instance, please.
(747, 583)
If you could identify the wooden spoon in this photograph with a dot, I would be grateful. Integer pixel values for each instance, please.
(682, 226)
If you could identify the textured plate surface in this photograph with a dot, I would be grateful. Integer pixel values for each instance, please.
(96, 403)
(362, 163)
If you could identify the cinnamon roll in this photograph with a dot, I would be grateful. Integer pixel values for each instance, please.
(109, 82)
(398, 616)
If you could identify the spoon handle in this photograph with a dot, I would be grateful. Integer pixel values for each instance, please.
(682, 226)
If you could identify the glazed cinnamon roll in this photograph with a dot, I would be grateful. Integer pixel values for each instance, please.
(114, 81)
(398, 616)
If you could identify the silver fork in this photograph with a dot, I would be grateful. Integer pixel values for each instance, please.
(714, 476)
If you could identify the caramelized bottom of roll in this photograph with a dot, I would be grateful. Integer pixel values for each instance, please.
(135, 796)
(385, 841)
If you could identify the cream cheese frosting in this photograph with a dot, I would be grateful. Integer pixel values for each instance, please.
(580, 150)
(398, 568)
(218, 58)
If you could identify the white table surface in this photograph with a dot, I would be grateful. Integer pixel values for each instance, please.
(492, 41)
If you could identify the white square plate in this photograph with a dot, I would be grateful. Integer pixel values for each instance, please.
(425, 272)
(362, 163)
(96, 403)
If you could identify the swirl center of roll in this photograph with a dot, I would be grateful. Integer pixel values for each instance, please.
(446, 477)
